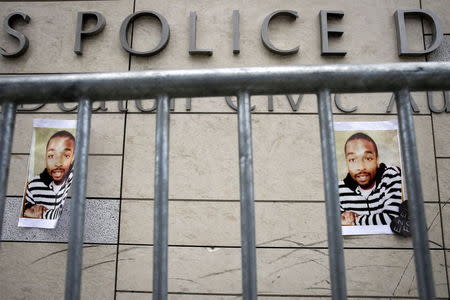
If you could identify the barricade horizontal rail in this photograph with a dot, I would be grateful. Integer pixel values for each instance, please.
(400, 78)
(225, 82)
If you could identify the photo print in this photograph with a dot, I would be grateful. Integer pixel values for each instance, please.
(370, 178)
(50, 172)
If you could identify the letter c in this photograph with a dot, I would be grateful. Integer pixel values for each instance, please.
(265, 32)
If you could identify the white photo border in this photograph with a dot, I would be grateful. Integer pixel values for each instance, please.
(41, 123)
(369, 126)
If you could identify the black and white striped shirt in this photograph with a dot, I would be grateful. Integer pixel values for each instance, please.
(382, 204)
(41, 191)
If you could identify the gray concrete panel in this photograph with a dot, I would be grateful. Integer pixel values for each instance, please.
(37, 271)
(101, 223)
(374, 272)
(289, 225)
(443, 52)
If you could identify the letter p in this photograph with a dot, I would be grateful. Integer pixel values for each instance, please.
(80, 33)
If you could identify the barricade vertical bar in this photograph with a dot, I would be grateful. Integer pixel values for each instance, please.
(161, 206)
(249, 287)
(330, 177)
(77, 204)
(6, 137)
(414, 192)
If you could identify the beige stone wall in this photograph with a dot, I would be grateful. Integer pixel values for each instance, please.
(204, 237)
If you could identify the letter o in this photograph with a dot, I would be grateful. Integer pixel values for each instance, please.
(165, 33)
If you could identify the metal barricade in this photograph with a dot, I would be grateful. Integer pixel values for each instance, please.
(400, 78)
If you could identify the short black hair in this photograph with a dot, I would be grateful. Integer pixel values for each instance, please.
(61, 133)
(361, 136)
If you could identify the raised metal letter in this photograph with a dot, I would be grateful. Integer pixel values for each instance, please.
(141, 108)
(101, 107)
(337, 101)
(325, 33)
(234, 106)
(193, 37)
(22, 107)
(188, 104)
(447, 101)
(295, 105)
(414, 106)
(270, 103)
(81, 18)
(23, 40)
(165, 33)
(236, 33)
(402, 39)
(265, 32)
(63, 107)
(433, 108)
(123, 107)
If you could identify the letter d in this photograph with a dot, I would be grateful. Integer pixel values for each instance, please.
(402, 40)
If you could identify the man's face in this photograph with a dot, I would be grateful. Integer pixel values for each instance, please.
(59, 158)
(362, 162)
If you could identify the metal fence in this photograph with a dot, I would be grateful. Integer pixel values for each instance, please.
(323, 80)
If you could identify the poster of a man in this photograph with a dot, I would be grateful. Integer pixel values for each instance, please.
(370, 186)
(50, 173)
